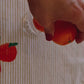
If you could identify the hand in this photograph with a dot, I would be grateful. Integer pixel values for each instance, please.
(46, 12)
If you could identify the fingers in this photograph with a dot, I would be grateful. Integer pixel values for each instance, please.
(78, 18)
(80, 37)
(81, 3)
(80, 26)
(48, 23)
(49, 31)
(80, 23)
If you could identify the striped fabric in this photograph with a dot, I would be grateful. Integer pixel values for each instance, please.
(37, 61)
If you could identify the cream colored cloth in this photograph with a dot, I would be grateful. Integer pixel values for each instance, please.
(37, 61)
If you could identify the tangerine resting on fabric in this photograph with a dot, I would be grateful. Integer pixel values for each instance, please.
(8, 52)
(65, 32)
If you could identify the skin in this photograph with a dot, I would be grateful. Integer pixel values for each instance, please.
(46, 12)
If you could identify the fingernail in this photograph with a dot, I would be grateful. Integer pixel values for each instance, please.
(48, 37)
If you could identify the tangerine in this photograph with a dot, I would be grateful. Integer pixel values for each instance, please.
(65, 32)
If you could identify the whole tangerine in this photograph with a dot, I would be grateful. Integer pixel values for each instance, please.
(65, 32)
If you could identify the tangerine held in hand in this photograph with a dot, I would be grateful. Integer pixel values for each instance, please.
(65, 32)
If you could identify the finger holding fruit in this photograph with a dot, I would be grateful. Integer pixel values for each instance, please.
(47, 12)
(65, 32)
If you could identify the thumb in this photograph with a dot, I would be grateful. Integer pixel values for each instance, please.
(48, 27)
(49, 31)
(80, 25)
(80, 37)
(80, 33)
